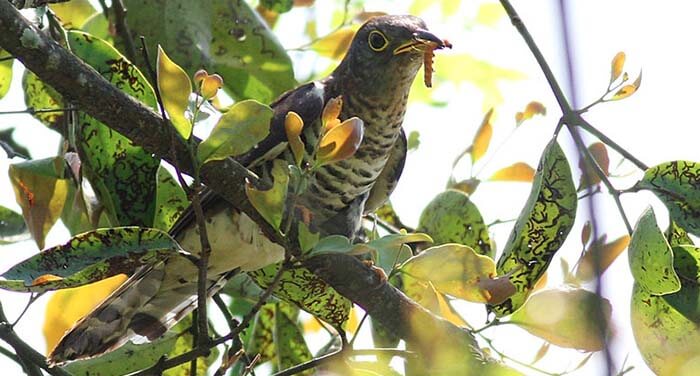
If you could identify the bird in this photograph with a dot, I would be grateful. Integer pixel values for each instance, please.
(373, 79)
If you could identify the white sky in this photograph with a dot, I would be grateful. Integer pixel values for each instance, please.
(656, 124)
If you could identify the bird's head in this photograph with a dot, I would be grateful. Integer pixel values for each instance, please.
(387, 51)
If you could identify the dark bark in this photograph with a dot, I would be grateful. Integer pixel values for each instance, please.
(91, 93)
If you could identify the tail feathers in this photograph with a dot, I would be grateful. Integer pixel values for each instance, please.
(146, 305)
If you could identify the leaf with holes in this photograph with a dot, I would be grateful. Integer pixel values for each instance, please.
(220, 36)
(540, 229)
(90, 257)
(41, 192)
(39, 96)
(122, 174)
(677, 184)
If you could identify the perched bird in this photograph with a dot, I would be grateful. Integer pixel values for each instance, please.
(373, 81)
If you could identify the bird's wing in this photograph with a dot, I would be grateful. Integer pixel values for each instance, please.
(389, 177)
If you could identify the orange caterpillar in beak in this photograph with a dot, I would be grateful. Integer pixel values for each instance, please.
(428, 61)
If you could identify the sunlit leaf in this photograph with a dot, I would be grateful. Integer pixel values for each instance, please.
(446, 311)
(451, 217)
(628, 90)
(331, 112)
(566, 317)
(40, 96)
(519, 171)
(207, 85)
(12, 226)
(651, 258)
(41, 192)
(341, 142)
(90, 257)
(5, 72)
(453, 269)
(533, 108)
(616, 66)
(677, 184)
(241, 128)
(73, 14)
(601, 253)
(123, 175)
(175, 89)
(588, 175)
(293, 125)
(184, 344)
(279, 6)
(482, 138)
(67, 306)
(270, 203)
(335, 44)
(541, 228)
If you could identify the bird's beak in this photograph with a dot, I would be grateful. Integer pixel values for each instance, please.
(422, 40)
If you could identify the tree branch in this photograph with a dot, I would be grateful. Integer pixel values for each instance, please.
(91, 93)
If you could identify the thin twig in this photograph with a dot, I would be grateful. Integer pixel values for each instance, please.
(123, 29)
(32, 111)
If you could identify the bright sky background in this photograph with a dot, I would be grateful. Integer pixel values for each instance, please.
(656, 124)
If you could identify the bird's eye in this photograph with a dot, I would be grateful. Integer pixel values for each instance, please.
(377, 41)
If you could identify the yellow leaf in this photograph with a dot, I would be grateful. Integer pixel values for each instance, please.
(67, 306)
(519, 171)
(541, 283)
(446, 310)
(175, 88)
(45, 278)
(482, 138)
(565, 317)
(588, 175)
(616, 66)
(331, 112)
(628, 90)
(207, 85)
(533, 108)
(489, 14)
(335, 45)
(341, 142)
(603, 254)
(454, 269)
(293, 125)
(73, 14)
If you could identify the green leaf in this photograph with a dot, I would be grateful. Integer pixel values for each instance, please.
(175, 89)
(413, 140)
(90, 257)
(220, 36)
(270, 203)
(41, 192)
(307, 291)
(541, 228)
(456, 270)
(242, 127)
(184, 344)
(262, 341)
(74, 14)
(123, 175)
(291, 347)
(677, 184)
(171, 200)
(5, 72)
(12, 226)
(651, 258)
(124, 360)
(39, 96)
(307, 239)
(331, 244)
(451, 217)
(566, 317)
(279, 6)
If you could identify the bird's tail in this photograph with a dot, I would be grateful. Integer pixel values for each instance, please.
(146, 305)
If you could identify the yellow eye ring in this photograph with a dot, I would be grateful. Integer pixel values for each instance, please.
(377, 41)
